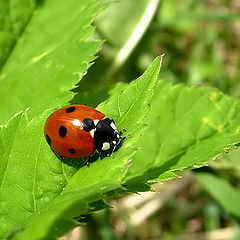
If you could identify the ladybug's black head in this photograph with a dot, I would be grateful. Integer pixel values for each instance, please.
(106, 136)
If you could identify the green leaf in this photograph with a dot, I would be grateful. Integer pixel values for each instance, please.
(222, 191)
(30, 176)
(49, 57)
(187, 128)
(40, 194)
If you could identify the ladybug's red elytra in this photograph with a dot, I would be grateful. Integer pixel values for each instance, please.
(75, 131)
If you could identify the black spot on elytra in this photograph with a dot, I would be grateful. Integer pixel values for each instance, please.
(71, 150)
(62, 131)
(70, 109)
(48, 139)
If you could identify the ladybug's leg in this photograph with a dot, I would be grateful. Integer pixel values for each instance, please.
(123, 137)
(91, 157)
(109, 153)
(88, 161)
(122, 131)
(111, 150)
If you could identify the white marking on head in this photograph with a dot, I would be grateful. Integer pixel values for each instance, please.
(96, 122)
(92, 132)
(113, 126)
(105, 146)
(76, 122)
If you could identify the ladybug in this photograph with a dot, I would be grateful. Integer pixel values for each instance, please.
(75, 131)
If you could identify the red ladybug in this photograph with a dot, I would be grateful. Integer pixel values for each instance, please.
(74, 131)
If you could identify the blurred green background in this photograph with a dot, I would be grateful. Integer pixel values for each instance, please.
(200, 40)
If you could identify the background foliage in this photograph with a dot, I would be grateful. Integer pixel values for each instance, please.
(46, 48)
